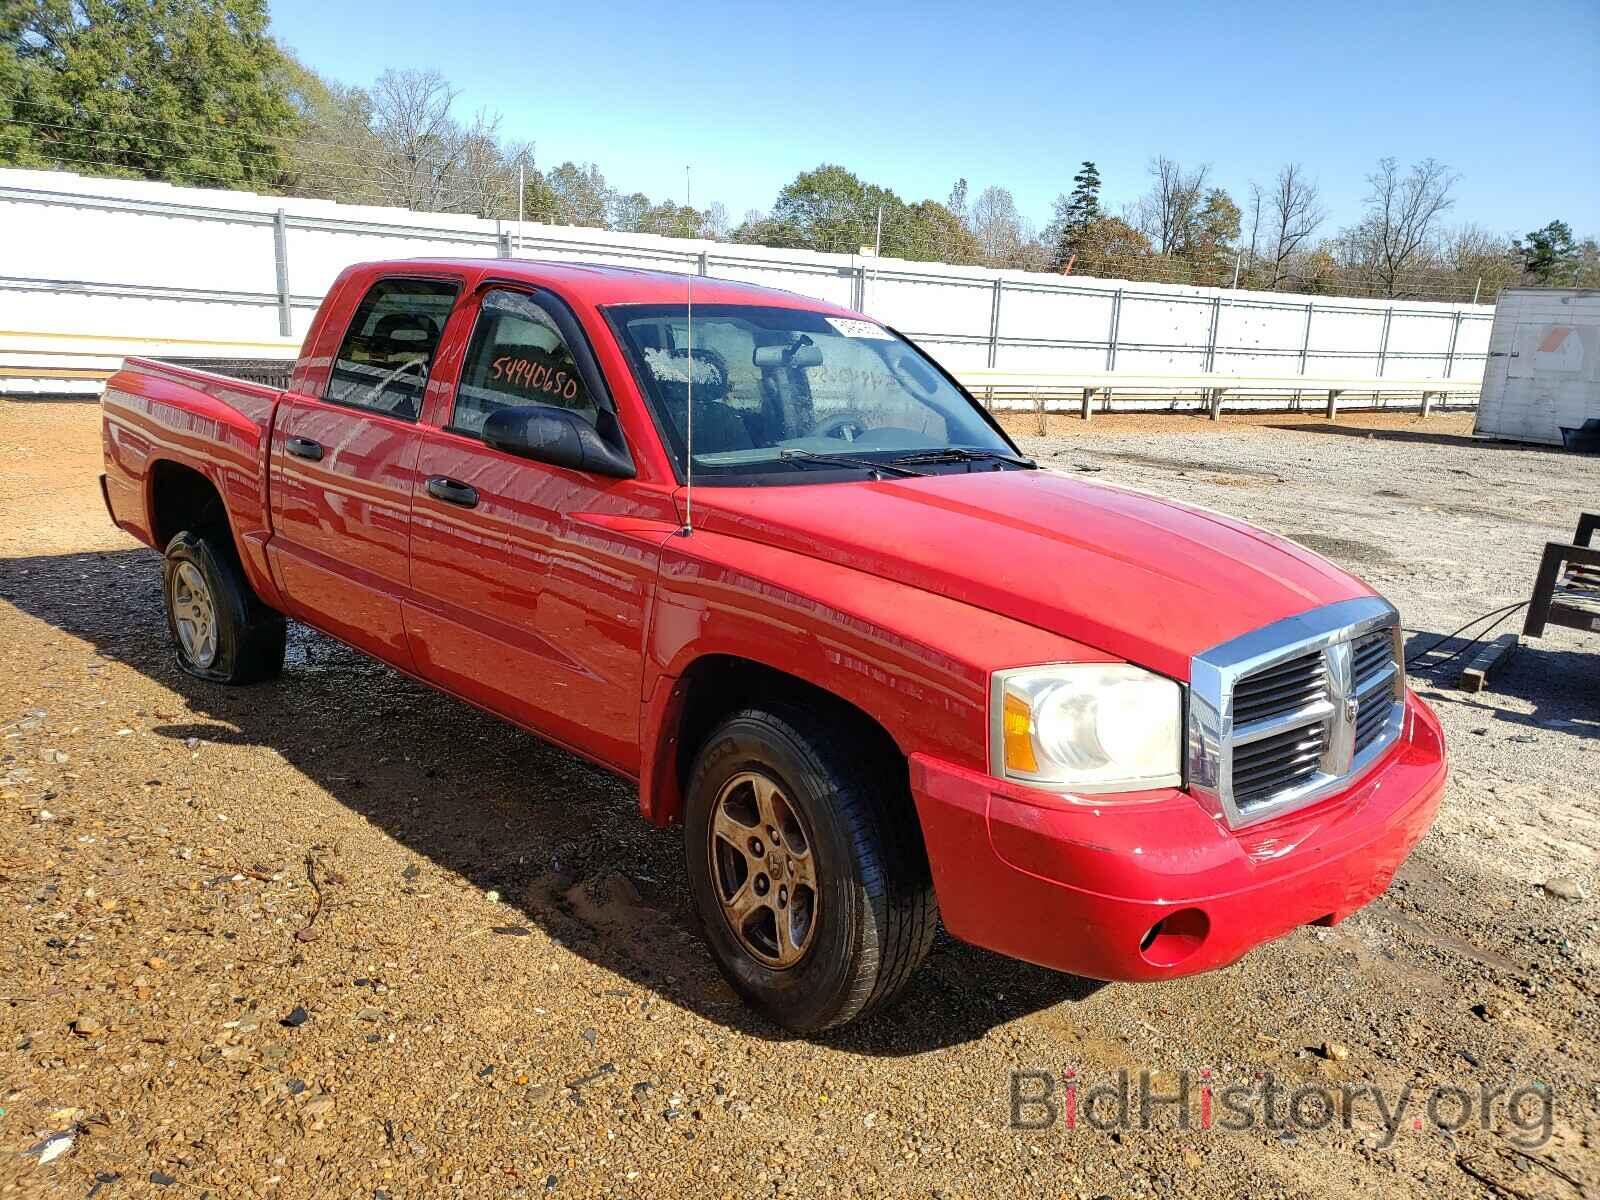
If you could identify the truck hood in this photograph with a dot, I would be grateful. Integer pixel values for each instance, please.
(1148, 580)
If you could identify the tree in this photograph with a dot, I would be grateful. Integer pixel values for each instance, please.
(715, 224)
(1319, 272)
(998, 227)
(1208, 240)
(426, 158)
(189, 91)
(759, 229)
(957, 203)
(1398, 232)
(1073, 214)
(1588, 270)
(1110, 241)
(933, 233)
(1551, 255)
(830, 209)
(1482, 262)
(628, 213)
(1293, 211)
(1167, 212)
(333, 146)
(569, 195)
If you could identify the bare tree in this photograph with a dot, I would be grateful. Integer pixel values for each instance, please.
(1480, 260)
(425, 158)
(1294, 211)
(716, 224)
(1257, 202)
(1401, 224)
(999, 228)
(1167, 213)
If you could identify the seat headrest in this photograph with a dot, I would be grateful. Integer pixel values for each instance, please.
(406, 331)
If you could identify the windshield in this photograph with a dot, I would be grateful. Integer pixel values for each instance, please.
(781, 391)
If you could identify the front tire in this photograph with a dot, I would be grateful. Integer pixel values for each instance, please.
(807, 867)
(219, 626)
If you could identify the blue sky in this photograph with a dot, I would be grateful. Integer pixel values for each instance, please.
(912, 96)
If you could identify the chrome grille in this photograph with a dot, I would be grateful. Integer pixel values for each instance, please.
(1287, 714)
(1262, 769)
(1282, 689)
(1375, 668)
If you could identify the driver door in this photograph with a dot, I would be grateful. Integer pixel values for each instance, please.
(530, 582)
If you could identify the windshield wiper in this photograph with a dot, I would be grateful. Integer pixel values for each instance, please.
(845, 460)
(960, 454)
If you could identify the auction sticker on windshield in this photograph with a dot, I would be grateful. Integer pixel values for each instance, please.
(860, 329)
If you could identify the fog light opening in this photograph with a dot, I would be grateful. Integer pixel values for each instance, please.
(1173, 938)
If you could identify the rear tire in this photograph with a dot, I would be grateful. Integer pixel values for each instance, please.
(814, 811)
(219, 626)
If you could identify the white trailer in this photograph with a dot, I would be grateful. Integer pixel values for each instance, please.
(1541, 380)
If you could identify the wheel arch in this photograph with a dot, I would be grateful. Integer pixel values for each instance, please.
(715, 685)
(179, 497)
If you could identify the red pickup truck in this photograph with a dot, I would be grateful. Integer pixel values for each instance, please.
(767, 559)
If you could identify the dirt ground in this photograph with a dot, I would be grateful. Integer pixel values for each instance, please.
(339, 935)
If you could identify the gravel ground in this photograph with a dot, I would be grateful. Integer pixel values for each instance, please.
(340, 935)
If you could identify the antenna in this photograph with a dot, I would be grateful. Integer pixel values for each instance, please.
(688, 367)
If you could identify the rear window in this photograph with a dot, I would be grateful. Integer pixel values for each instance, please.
(388, 351)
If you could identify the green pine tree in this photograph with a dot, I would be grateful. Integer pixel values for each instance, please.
(1075, 213)
(1551, 254)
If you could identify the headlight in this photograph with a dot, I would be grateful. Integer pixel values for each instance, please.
(1087, 727)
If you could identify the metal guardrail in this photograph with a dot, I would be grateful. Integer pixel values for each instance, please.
(1034, 389)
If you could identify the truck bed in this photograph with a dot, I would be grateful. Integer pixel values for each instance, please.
(184, 419)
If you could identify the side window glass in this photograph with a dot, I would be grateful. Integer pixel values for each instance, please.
(517, 357)
(388, 350)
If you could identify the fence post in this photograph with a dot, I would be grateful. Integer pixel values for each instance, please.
(861, 288)
(994, 338)
(1305, 345)
(1450, 354)
(1088, 402)
(502, 238)
(280, 257)
(1111, 344)
(1333, 406)
(1427, 404)
(1111, 337)
(1211, 353)
(994, 322)
(1211, 338)
(702, 263)
(1383, 340)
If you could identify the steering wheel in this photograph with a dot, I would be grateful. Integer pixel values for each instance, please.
(847, 426)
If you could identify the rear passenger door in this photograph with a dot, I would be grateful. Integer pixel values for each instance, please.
(530, 581)
(344, 464)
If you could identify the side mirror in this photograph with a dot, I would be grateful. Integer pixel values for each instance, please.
(555, 436)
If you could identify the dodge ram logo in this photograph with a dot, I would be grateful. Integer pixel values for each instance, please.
(1351, 704)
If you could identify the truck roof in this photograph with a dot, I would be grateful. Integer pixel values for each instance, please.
(599, 284)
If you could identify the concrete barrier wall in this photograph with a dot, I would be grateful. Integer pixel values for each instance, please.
(107, 258)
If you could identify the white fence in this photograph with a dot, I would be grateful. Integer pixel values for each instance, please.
(91, 268)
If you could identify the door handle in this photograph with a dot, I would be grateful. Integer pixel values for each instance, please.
(452, 492)
(304, 448)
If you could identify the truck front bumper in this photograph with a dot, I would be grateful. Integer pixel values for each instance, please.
(1158, 887)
